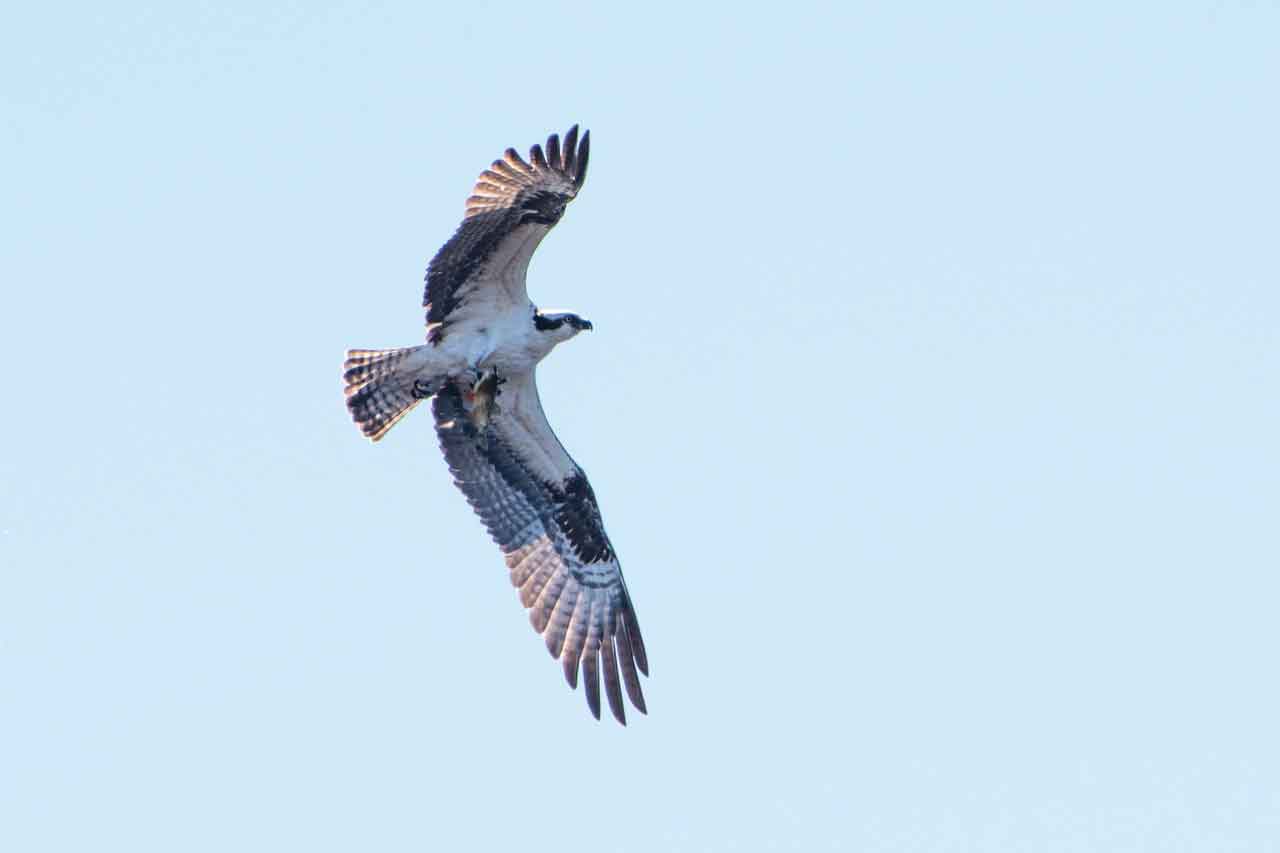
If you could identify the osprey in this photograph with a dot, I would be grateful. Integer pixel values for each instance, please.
(484, 341)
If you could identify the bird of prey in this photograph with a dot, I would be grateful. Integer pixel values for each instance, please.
(484, 341)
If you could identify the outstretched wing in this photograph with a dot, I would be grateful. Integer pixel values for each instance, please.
(512, 207)
(539, 508)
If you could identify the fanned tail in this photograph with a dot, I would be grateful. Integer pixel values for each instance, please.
(383, 385)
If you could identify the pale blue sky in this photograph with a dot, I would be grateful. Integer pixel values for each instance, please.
(932, 406)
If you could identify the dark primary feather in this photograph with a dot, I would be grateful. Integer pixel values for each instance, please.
(508, 196)
(560, 558)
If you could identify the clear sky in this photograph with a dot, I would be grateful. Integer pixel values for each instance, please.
(931, 404)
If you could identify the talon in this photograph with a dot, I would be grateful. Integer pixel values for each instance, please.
(483, 397)
(422, 389)
(487, 381)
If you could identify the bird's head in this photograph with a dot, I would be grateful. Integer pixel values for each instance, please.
(561, 325)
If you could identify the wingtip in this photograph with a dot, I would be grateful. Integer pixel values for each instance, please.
(571, 673)
(584, 154)
(591, 680)
(569, 158)
(635, 640)
(553, 151)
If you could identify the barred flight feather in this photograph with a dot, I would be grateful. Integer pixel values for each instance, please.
(611, 684)
(626, 657)
(542, 607)
(591, 677)
(558, 626)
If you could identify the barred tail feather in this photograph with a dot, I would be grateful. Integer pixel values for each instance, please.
(382, 386)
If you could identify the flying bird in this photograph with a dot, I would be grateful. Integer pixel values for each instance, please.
(483, 344)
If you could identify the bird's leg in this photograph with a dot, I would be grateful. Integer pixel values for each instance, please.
(484, 398)
(474, 375)
(424, 388)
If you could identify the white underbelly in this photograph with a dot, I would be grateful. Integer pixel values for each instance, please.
(513, 354)
(507, 342)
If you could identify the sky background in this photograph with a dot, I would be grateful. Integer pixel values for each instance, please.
(931, 404)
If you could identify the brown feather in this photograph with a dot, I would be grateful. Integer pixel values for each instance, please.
(591, 679)
(516, 162)
(612, 689)
(637, 642)
(553, 151)
(570, 149)
(533, 586)
(626, 658)
(576, 638)
(542, 609)
(505, 171)
(591, 655)
(558, 626)
(584, 151)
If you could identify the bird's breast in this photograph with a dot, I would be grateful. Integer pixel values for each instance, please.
(512, 345)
